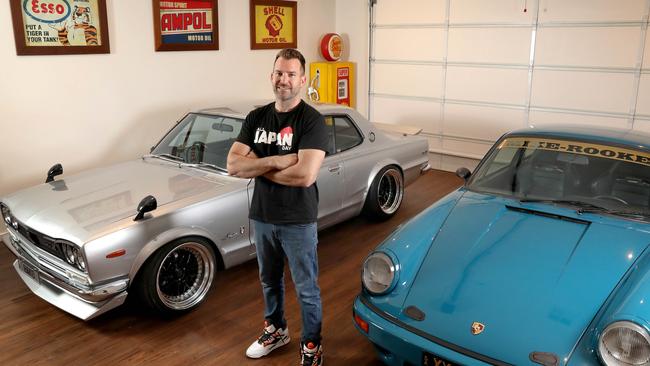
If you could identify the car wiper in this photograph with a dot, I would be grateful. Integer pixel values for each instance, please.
(583, 207)
(586, 207)
(163, 156)
(630, 214)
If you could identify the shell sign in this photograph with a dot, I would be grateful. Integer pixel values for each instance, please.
(273, 24)
(331, 47)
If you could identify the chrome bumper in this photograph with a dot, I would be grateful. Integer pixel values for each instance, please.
(55, 286)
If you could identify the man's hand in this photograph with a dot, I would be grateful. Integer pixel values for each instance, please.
(244, 163)
(280, 162)
(284, 161)
(301, 174)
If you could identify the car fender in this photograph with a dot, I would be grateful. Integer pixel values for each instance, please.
(627, 302)
(409, 243)
(167, 236)
(375, 170)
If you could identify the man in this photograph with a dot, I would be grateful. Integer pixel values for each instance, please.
(282, 145)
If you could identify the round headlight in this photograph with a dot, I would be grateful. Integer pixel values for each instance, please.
(81, 262)
(5, 214)
(378, 273)
(71, 254)
(624, 342)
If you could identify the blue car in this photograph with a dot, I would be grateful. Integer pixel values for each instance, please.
(541, 258)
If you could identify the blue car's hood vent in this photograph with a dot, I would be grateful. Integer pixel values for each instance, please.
(533, 277)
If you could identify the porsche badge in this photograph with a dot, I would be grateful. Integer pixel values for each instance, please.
(477, 328)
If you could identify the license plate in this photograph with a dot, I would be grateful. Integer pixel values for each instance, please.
(429, 359)
(29, 270)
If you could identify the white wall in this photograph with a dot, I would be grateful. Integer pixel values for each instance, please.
(352, 24)
(94, 110)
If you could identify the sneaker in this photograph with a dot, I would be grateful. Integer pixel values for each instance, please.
(311, 354)
(270, 339)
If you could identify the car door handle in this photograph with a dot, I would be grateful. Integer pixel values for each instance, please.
(334, 169)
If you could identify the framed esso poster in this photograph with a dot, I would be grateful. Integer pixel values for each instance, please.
(59, 27)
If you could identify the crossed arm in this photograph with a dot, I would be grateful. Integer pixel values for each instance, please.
(297, 170)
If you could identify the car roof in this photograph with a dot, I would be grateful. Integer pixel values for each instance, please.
(611, 135)
(241, 109)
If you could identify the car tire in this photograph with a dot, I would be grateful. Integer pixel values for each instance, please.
(177, 277)
(385, 194)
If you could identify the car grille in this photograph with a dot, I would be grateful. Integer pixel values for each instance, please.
(42, 241)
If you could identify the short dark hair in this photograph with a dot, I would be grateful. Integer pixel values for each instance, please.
(290, 54)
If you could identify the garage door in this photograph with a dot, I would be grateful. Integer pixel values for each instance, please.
(466, 71)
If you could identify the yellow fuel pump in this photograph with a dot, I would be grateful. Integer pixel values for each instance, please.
(332, 81)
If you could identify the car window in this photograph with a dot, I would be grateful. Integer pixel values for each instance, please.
(222, 129)
(501, 161)
(201, 138)
(346, 135)
(541, 168)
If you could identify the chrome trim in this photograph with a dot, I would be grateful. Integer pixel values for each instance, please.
(44, 260)
(62, 278)
(606, 357)
(66, 301)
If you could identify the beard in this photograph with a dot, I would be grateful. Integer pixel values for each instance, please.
(284, 92)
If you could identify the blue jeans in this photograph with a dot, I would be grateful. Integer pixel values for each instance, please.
(298, 243)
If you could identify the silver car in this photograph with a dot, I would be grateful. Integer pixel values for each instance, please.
(160, 227)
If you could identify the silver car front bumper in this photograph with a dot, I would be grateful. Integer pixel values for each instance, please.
(51, 284)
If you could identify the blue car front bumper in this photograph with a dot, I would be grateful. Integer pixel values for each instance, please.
(398, 346)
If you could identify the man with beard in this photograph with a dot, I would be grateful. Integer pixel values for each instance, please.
(282, 145)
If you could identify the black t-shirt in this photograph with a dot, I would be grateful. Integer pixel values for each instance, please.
(269, 132)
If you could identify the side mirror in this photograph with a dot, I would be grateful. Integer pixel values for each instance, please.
(464, 173)
(56, 169)
(147, 204)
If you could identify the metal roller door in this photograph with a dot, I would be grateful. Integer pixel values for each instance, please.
(466, 71)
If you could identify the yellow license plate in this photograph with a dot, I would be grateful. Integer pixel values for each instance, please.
(429, 359)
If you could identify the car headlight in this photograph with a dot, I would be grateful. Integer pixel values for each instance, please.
(378, 273)
(73, 256)
(624, 342)
(6, 216)
(81, 262)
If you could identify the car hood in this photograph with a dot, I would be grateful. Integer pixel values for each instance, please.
(534, 275)
(79, 205)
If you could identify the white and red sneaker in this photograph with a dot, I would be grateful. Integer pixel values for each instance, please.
(311, 354)
(270, 339)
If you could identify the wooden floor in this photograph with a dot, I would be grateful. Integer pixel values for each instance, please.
(32, 332)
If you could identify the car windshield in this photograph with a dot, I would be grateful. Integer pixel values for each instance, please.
(589, 177)
(200, 139)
